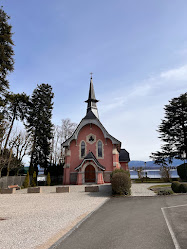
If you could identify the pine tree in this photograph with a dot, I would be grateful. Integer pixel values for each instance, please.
(6, 59)
(26, 181)
(39, 124)
(34, 180)
(48, 179)
(173, 131)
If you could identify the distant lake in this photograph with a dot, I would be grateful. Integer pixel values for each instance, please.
(153, 173)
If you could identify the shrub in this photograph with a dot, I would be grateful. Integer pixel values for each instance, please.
(182, 171)
(26, 181)
(119, 170)
(183, 188)
(121, 183)
(165, 192)
(176, 187)
(48, 179)
(33, 183)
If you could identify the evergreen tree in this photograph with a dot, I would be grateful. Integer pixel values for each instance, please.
(6, 59)
(173, 132)
(39, 124)
(26, 181)
(34, 179)
(48, 179)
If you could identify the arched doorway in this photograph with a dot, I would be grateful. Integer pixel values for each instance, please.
(90, 174)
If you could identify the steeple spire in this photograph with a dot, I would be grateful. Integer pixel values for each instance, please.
(92, 106)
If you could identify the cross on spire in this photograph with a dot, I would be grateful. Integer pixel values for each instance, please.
(91, 74)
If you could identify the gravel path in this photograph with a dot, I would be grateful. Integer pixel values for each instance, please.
(39, 220)
(141, 189)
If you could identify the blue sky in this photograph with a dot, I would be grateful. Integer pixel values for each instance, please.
(137, 51)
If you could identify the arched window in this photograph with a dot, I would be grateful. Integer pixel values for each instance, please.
(82, 149)
(100, 149)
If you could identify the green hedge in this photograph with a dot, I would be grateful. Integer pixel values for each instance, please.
(183, 188)
(176, 187)
(121, 183)
(182, 171)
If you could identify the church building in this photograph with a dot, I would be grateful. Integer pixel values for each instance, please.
(91, 153)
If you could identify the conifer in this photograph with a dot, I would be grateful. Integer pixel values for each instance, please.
(26, 181)
(33, 183)
(173, 132)
(39, 124)
(6, 60)
(48, 179)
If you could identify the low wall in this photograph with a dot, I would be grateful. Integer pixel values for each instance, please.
(8, 191)
(92, 189)
(62, 190)
(5, 181)
(34, 190)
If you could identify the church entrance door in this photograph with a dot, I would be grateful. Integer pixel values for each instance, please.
(90, 174)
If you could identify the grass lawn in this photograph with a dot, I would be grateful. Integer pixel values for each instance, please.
(162, 189)
(149, 180)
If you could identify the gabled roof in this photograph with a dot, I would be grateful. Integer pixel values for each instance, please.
(124, 156)
(90, 157)
(90, 118)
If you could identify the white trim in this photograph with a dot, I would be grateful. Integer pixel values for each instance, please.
(88, 159)
(68, 153)
(90, 121)
(88, 136)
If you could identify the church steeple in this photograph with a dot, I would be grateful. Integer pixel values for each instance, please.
(92, 106)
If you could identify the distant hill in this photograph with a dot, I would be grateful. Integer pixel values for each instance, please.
(150, 164)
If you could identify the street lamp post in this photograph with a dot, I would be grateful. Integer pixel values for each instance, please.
(145, 171)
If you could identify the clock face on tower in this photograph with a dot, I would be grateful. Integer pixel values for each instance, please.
(91, 138)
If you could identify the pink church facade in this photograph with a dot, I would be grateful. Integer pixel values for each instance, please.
(91, 153)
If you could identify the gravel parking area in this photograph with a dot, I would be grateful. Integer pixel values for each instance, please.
(38, 220)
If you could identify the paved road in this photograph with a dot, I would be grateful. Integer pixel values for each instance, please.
(132, 222)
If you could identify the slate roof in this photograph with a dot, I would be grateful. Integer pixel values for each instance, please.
(90, 157)
(90, 115)
(90, 118)
(91, 95)
(124, 156)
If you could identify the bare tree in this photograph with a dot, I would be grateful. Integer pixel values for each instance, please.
(60, 134)
(20, 144)
(165, 173)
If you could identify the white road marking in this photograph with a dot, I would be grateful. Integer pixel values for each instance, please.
(175, 206)
(176, 244)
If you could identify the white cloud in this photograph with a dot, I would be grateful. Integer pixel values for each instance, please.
(133, 117)
(176, 74)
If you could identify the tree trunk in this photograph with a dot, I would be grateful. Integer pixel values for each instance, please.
(9, 160)
(33, 148)
(9, 132)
